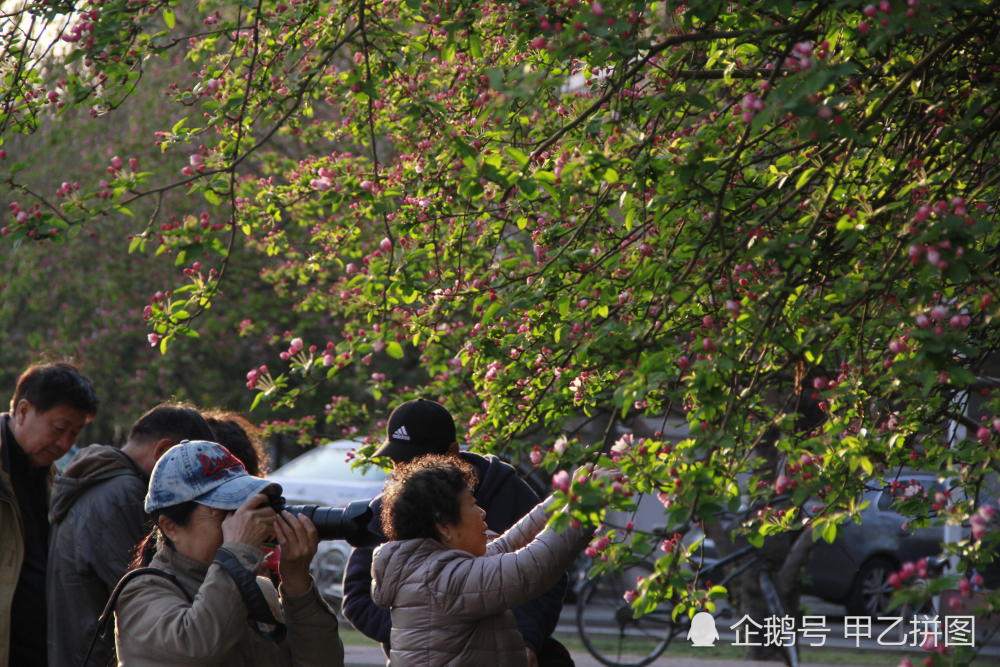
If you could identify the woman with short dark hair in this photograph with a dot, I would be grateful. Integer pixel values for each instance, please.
(450, 592)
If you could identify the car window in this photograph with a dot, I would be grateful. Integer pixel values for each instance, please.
(328, 463)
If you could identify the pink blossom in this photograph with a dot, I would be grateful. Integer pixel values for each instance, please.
(978, 526)
(939, 312)
(781, 484)
(561, 481)
(154, 339)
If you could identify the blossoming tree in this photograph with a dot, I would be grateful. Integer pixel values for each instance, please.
(770, 222)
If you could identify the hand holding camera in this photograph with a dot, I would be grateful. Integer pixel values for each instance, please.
(252, 523)
(298, 539)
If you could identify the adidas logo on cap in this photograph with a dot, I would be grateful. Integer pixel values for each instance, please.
(401, 434)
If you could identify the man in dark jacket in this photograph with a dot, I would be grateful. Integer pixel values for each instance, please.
(421, 427)
(97, 520)
(51, 404)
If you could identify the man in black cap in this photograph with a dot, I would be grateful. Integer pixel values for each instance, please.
(421, 427)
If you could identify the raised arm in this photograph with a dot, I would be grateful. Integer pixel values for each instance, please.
(516, 568)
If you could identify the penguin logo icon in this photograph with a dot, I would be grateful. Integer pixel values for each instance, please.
(703, 632)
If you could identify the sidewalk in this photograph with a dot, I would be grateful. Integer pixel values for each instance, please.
(372, 656)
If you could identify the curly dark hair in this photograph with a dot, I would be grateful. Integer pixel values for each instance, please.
(234, 432)
(423, 493)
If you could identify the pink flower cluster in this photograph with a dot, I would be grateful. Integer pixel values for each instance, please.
(293, 348)
(941, 208)
(598, 545)
(751, 104)
(254, 375)
(981, 520)
(324, 181)
(908, 571)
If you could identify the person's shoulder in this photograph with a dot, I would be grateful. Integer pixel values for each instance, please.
(489, 465)
(124, 491)
(496, 474)
(126, 486)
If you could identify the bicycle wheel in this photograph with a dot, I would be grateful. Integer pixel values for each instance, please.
(776, 608)
(609, 628)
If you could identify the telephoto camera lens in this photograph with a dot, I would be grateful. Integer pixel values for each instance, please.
(348, 523)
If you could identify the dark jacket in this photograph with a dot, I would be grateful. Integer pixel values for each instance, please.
(506, 498)
(24, 533)
(450, 608)
(97, 519)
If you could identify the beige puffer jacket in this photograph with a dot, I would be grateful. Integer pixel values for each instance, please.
(451, 608)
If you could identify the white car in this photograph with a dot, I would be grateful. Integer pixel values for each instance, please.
(323, 476)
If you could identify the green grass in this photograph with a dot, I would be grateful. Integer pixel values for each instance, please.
(352, 637)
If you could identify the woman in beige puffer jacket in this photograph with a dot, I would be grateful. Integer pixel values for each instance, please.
(450, 595)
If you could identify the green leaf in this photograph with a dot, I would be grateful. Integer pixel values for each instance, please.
(394, 350)
(519, 156)
(803, 178)
(169, 18)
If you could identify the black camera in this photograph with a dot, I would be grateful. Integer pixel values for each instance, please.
(348, 523)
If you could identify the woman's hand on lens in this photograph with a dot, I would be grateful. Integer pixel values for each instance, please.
(252, 523)
(298, 539)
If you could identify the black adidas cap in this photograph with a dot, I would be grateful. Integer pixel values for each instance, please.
(416, 428)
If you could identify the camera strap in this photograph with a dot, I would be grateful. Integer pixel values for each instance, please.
(103, 621)
(259, 611)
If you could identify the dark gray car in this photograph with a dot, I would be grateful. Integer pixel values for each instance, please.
(855, 568)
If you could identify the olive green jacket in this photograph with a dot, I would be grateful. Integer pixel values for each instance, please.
(11, 549)
(156, 626)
